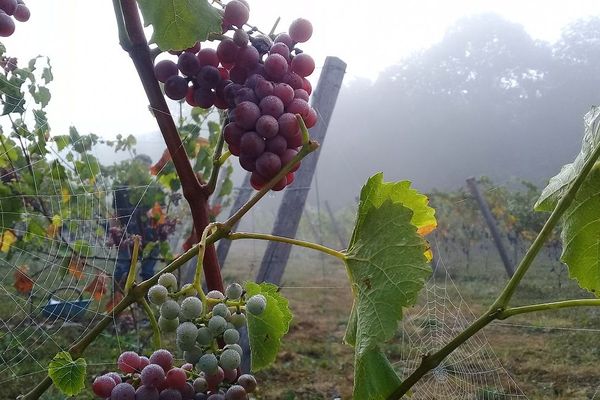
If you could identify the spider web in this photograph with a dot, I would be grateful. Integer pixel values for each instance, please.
(472, 371)
(57, 311)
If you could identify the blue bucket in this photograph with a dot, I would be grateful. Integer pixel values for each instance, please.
(71, 310)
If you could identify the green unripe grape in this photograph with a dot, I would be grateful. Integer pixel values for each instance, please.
(234, 291)
(200, 385)
(215, 294)
(168, 280)
(230, 359)
(208, 364)
(204, 337)
(191, 308)
(236, 347)
(238, 320)
(256, 304)
(231, 336)
(217, 325)
(188, 290)
(170, 309)
(193, 355)
(158, 294)
(168, 325)
(186, 335)
(222, 310)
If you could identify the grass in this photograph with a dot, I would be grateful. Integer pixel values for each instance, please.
(548, 355)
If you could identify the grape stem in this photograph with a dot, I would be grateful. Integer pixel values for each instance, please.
(297, 242)
(195, 193)
(210, 186)
(201, 248)
(133, 264)
(303, 129)
(156, 342)
(499, 310)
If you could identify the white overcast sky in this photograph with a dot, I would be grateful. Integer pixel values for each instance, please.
(97, 90)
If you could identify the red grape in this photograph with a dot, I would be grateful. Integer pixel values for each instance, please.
(271, 105)
(208, 56)
(163, 358)
(300, 30)
(128, 362)
(303, 65)
(267, 126)
(276, 66)
(7, 25)
(236, 13)
(103, 386)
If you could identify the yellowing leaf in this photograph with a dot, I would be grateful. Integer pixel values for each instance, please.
(7, 239)
(426, 230)
(65, 195)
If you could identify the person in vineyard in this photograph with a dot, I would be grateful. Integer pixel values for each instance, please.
(134, 217)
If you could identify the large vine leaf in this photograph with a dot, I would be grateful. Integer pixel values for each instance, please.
(266, 330)
(387, 269)
(68, 375)
(580, 234)
(559, 184)
(376, 191)
(178, 24)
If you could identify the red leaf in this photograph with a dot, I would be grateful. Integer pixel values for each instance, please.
(23, 283)
(97, 287)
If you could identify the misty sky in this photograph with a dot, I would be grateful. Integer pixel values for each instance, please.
(97, 90)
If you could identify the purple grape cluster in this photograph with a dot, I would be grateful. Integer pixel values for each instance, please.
(156, 378)
(261, 81)
(10, 9)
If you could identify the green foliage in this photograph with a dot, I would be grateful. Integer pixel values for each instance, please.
(178, 24)
(387, 268)
(559, 184)
(266, 330)
(68, 375)
(581, 224)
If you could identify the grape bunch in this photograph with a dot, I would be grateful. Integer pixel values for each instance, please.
(262, 83)
(10, 9)
(156, 378)
(207, 332)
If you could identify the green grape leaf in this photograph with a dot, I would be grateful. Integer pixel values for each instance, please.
(67, 374)
(266, 330)
(581, 224)
(14, 98)
(382, 378)
(387, 267)
(179, 24)
(83, 248)
(40, 94)
(559, 184)
(376, 191)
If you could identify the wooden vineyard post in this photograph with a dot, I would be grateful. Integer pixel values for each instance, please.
(491, 223)
(292, 204)
(294, 198)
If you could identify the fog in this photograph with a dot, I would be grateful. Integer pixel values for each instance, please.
(486, 100)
